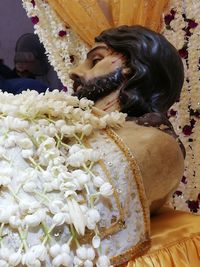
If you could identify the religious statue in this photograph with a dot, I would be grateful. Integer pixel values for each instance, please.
(137, 71)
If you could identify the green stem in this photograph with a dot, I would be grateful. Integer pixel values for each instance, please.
(35, 164)
(77, 138)
(43, 196)
(23, 237)
(47, 232)
(13, 194)
(50, 120)
(88, 169)
(73, 233)
(32, 139)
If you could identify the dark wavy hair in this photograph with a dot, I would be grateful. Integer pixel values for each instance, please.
(156, 69)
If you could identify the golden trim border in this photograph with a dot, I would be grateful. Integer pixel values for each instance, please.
(142, 246)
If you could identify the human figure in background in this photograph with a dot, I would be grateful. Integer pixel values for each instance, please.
(31, 61)
(10, 82)
(17, 85)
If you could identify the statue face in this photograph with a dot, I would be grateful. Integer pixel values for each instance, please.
(100, 73)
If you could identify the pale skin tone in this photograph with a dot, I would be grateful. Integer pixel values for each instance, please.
(157, 153)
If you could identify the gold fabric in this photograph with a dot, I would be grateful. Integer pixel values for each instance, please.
(90, 17)
(175, 239)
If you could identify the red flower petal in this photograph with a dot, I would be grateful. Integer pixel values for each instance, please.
(187, 130)
(62, 33)
(183, 52)
(33, 3)
(193, 205)
(35, 19)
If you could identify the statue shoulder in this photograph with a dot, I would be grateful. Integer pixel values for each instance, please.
(159, 158)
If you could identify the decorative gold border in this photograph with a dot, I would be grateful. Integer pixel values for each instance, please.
(141, 247)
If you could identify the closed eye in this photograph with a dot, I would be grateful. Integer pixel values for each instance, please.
(95, 61)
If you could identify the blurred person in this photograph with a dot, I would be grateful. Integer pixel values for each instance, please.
(31, 61)
(17, 85)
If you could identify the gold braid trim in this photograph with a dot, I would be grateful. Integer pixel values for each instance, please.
(143, 245)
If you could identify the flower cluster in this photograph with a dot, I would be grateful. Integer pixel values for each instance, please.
(47, 179)
(182, 29)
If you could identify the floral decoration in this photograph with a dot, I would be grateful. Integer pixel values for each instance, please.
(47, 180)
(182, 27)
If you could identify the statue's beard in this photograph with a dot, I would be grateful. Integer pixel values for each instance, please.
(99, 87)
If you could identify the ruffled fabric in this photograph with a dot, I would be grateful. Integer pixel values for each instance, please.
(175, 239)
(185, 253)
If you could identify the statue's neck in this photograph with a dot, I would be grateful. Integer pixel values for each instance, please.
(109, 103)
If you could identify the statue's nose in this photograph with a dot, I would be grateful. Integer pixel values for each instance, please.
(76, 73)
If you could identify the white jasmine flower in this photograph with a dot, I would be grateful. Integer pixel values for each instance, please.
(24, 205)
(96, 241)
(77, 159)
(90, 253)
(85, 103)
(15, 259)
(27, 153)
(43, 122)
(93, 217)
(30, 260)
(59, 160)
(55, 250)
(76, 215)
(3, 263)
(36, 218)
(2, 152)
(68, 131)
(47, 144)
(65, 248)
(81, 252)
(5, 181)
(29, 187)
(87, 129)
(4, 253)
(24, 143)
(59, 218)
(39, 251)
(74, 148)
(55, 206)
(57, 261)
(103, 261)
(59, 124)
(88, 263)
(70, 193)
(106, 190)
(98, 181)
(6, 213)
(114, 119)
(14, 221)
(67, 260)
(51, 130)
(10, 141)
(78, 262)
(81, 177)
(15, 123)
(93, 155)
(68, 186)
